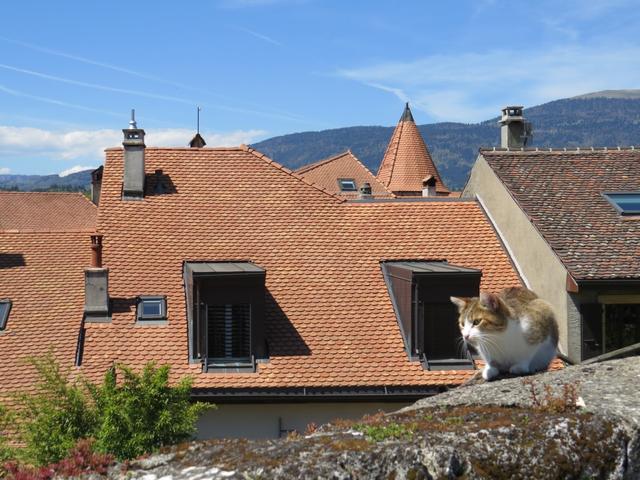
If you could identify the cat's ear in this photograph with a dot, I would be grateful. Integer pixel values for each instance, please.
(459, 302)
(490, 301)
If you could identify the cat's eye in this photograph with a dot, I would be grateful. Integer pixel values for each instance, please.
(476, 322)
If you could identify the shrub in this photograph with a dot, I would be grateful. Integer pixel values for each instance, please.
(128, 415)
(6, 451)
(53, 418)
(142, 412)
(81, 460)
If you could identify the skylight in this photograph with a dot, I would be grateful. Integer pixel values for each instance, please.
(347, 184)
(152, 308)
(5, 307)
(627, 203)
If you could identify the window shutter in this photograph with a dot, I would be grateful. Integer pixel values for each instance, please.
(229, 331)
(591, 330)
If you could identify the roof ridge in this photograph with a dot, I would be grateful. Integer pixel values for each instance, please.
(374, 176)
(286, 170)
(324, 161)
(48, 230)
(588, 149)
(223, 149)
(4, 192)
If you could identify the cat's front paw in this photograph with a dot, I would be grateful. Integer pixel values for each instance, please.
(489, 372)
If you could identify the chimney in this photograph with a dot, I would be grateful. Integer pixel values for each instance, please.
(514, 131)
(197, 141)
(365, 190)
(133, 182)
(96, 285)
(429, 186)
(96, 184)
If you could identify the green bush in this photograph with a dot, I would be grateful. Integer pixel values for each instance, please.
(6, 451)
(128, 414)
(143, 412)
(52, 419)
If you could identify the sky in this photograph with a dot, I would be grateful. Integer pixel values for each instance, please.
(71, 71)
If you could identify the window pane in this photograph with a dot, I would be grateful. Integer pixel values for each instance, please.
(442, 338)
(4, 309)
(151, 308)
(627, 202)
(622, 326)
(229, 331)
(348, 185)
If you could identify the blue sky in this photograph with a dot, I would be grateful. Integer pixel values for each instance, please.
(70, 71)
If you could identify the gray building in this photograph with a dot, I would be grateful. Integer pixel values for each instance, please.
(570, 219)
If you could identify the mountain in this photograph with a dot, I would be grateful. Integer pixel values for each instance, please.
(72, 183)
(607, 118)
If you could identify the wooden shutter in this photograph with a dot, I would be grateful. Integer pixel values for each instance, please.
(591, 330)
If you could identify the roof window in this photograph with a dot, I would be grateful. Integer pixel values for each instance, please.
(152, 307)
(627, 203)
(5, 308)
(347, 185)
(420, 292)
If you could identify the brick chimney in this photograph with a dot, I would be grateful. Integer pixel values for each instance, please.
(515, 132)
(96, 285)
(133, 181)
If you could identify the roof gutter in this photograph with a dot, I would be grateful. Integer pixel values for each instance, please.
(304, 394)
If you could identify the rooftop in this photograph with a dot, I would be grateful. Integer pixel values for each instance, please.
(561, 191)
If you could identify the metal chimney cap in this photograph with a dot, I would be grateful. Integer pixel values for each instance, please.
(132, 123)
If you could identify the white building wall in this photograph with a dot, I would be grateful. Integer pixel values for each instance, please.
(272, 420)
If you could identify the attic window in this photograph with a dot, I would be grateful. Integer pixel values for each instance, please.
(626, 203)
(347, 185)
(152, 307)
(420, 292)
(5, 308)
(226, 309)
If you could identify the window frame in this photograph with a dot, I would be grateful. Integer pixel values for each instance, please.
(142, 318)
(610, 196)
(4, 318)
(347, 180)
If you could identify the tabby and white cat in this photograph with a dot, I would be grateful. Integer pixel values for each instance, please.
(513, 331)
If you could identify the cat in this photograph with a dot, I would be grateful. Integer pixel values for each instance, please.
(513, 331)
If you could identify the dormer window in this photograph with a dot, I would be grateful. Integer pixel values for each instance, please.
(627, 203)
(420, 292)
(5, 308)
(347, 185)
(151, 307)
(225, 303)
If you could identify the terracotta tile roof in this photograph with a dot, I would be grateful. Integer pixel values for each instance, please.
(407, 161)
(330, 322)
(326, 173)
(46, 211)
(561, 193)
(42, 273)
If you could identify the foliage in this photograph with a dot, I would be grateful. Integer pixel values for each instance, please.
(127, 415)
(389, 431)
(143, 412)
(81, 460)
(55, 416)
(6, 451)
(555, 402)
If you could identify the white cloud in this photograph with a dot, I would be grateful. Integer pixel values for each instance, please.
(75, 169)
(472, 86)
(259, 35)
(88, 145)
(5, 170)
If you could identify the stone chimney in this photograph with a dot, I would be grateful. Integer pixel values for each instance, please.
(515, 132)
(96, 285)
(429, 186)
(133, 181)
(365, 190)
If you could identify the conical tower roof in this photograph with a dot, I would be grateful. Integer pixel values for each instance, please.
(407, 162)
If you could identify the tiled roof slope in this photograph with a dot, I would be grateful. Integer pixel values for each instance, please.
(330, 322)
(42, 273)
(46, 211)
(560, 192)
(344, 165)
(407, 161)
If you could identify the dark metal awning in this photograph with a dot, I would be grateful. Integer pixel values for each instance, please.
(222, 268)
(418, 267)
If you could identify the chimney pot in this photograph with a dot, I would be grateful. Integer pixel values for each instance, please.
(429, 186)
(96, 251)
